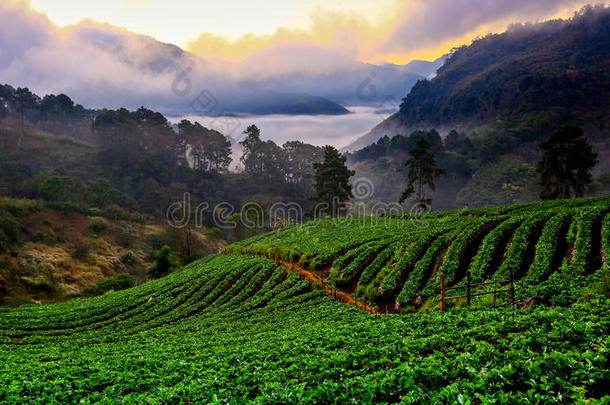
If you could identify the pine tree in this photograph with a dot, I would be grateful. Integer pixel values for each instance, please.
(332, 188)
(565, 168)
(422, 172)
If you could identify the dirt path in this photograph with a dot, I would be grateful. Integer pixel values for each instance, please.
(339, 295)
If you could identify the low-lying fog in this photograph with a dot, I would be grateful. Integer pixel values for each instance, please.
(335, 130)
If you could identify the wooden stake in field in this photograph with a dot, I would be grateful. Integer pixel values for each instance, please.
(442, 292)
(468, 288)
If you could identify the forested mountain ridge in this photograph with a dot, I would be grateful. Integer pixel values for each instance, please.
(522, 81)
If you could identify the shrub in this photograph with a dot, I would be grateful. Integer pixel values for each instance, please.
(116, 213)
(37, 285)
(81, 249)
(124, 239)
(162, 265)
(98, 225)
(119, 282)
(127, 257)
(214, 233)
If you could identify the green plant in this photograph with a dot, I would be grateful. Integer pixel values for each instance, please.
(98, 225)
(119, 282)
(127, 257)
(163, 264)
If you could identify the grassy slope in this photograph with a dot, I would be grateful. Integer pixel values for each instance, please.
(233, 329)
(532, 238)
(50, 253)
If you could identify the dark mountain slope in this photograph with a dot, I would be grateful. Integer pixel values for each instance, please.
(524, 80)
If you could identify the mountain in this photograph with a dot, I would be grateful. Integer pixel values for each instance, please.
(422, 68)
(76, 60)
(271, 102)
(523, 81)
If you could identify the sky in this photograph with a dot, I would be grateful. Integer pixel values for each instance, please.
(367, 30)
(106, 54)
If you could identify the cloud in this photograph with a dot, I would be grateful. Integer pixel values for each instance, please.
(408, 29)
(100, 65)
(96, 64)
(426, 23)
(346, 33)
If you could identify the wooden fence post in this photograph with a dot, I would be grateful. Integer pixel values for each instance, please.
(468, 288)
(512, 287)
(442, 292)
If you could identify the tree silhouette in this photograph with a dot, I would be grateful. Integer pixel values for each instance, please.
(332, 188)
(565, 168)
(422, 172)
(24, 100)
(162, 264)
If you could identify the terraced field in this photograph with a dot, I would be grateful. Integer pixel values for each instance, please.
(555, 250)
(238, 328)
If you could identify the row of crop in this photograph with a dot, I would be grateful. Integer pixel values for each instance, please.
(367, 256)
(140, 306)
(458, 247)
(490, 246)
(380, 261)
(164, 304)
(266, 292)
(582, 252)
(546, 248)
(82, 311)
(329, 257)
(247, 300)
(421, 272)
(233, 278)
(370, 290)
(254, 285)
(390, 283)
(517, 249)
(343, 260)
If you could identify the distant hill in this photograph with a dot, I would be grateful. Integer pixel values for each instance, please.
(525, 81)
(166, 78)
(290, 104)
(422, 68)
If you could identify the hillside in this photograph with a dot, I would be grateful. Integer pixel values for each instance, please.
(519, 82)
(239, 328)
(54, 251)
(556, 251)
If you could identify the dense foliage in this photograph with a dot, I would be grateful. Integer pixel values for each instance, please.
(494, 101)
(390, 261)
(533, 69)
(236, 328)
(138, 159)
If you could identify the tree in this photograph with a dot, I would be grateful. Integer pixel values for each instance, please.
(251, 145)
(300, 158)
(332, 188)
(422, 172)
(209, 149)
(263, 160)
(24, 100)
(6, 98)
(57, 106)
(565, 168)
(217, 151)
(162, 264)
